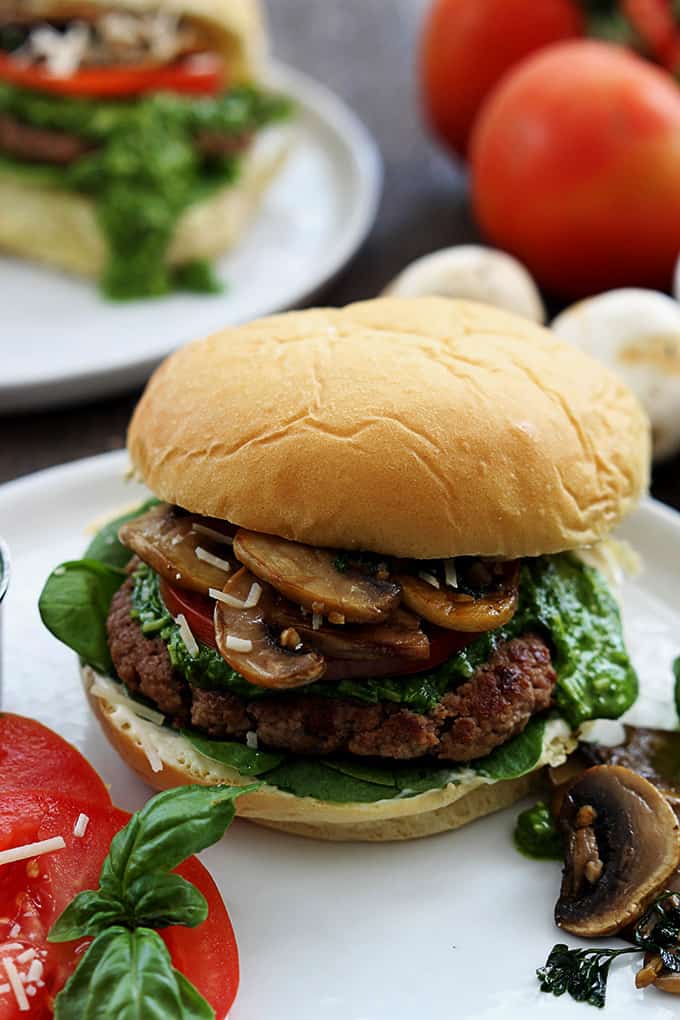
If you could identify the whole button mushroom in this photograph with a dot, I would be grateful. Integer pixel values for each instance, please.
(474, 272)
(637, 333)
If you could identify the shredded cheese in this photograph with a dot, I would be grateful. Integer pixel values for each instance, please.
(429, 579)
(253, 596)
(4, 989)
(16, 985)
(237, 644)
(187, 637)
(251, 740)
(214, 561)
(450, 573)
(229, 600)
(80, 828)
(26, 956)
(317, 620)
(22, 853)
(216, 536)
(106, 691)
(35, 972)
(152, 756)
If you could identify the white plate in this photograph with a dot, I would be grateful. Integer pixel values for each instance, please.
(451, 926)
(61, 341)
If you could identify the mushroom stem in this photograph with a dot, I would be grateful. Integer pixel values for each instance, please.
(648, 974)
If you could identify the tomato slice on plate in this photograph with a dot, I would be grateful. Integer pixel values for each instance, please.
(202, 75)
(34, 892)
(34, 757)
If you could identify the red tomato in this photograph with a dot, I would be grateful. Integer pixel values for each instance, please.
(198, 611)
(33, 894)
(576, 169)
(204, 77)
(33, 757)
(467, 45)
(657, 24)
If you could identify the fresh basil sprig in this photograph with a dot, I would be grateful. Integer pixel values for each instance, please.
(127, 966)
(129, 975)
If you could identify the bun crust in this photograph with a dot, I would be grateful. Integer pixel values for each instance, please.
(417, 427)
(403, 818)
(60, 228)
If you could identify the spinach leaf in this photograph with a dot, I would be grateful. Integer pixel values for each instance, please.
(518, 756)
(105, 546)
(74, 604)
(129, 974)
(309, 777)
(246, 760)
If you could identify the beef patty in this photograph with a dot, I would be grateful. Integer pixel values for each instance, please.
(468, 722)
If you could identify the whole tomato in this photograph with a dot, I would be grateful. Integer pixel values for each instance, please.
(576, 168)
(467, 45)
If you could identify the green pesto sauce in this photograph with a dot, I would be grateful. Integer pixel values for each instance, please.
(144, 171)
(536, 834)
(560, 597)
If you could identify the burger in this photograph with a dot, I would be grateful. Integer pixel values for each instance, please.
(132, 147)
(362, 577)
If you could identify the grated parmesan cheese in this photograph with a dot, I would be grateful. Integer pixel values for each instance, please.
(16, 985)
(317, 620)
(251, 740)
(214, 561)
(216, 536)
(253, 596)
(237, 644)
(26, 956)
(429, 579)
(80, 828)
(229, 600)
(187, 637)
(450, 573)
(22, 853)
(35, 972)
(152, 756)
(4, 989)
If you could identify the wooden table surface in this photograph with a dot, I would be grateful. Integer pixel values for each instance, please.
(365, 51)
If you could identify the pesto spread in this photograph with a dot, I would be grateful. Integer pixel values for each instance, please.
(144, 170)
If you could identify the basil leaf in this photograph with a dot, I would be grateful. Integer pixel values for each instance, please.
(90, 913)
(105, 546)
(171, 827)
(129, 975)
(74, 604)
(519, 756)
(247, 760)
(157, 901)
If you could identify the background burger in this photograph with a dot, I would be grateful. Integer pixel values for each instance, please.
(361, 579)
(130, 145)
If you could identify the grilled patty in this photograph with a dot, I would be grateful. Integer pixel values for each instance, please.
(468, 723)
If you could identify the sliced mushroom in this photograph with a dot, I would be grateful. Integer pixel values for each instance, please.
(249, 646)
(306, 575)
(457, 610)
(654, 754)
(621, 842)
(400, 636)
(181, 547)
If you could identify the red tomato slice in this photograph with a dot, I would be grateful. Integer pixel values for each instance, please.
(34, 892)
(204, 76)
(34, 757)
(198, 610)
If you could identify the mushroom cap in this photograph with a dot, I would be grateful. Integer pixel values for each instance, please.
(414, 427)
(617, 824)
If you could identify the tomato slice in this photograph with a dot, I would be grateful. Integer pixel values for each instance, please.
(198, 610)
(33, 894)
(196, 76)
(34, 757)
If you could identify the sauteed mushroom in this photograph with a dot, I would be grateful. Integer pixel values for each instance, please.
(306, 575)
(654, 754)
(180, 548)
(399, 636)
(457, 610)
(246, 642)
(621, 844)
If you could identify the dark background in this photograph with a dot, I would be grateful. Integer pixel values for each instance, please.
(365, 50)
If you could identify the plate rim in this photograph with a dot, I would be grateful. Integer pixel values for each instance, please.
(363, 153)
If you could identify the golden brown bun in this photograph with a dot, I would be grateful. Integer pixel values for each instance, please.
(60, 228)
(235, 28)
(416, 427)
(139, 741)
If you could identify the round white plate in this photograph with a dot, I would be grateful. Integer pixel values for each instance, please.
(61, 341)
(451, 926)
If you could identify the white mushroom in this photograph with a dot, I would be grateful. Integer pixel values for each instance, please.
(637, 333)
(474, 272)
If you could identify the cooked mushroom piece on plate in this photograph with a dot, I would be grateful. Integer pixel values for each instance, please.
(654, 754)
(249, 646)
(181, 548)
(308, 576)
(622, 843)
